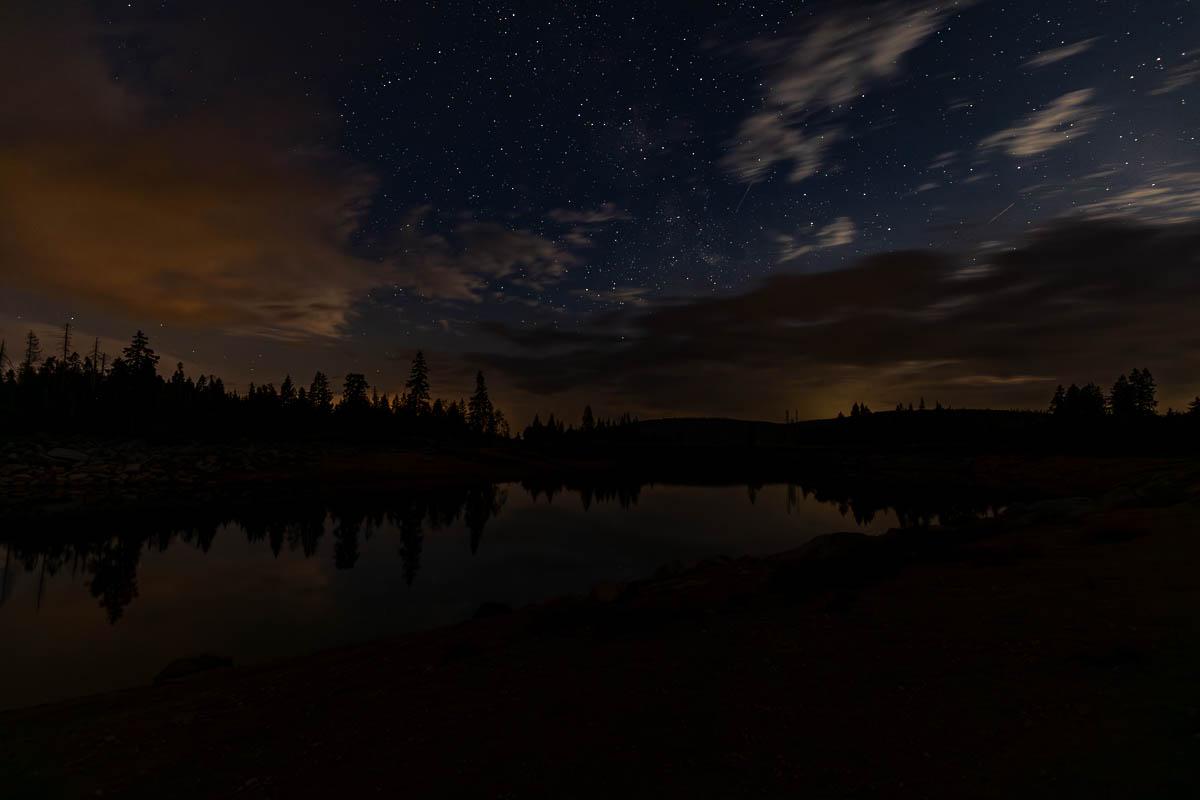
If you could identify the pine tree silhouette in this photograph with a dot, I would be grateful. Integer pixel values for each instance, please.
(287, 392)
(354, 392)
(417, 385)
(140, 359)
(481, 414)
(33, 354)
(320, 396)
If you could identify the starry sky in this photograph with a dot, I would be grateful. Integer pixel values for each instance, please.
(667, 208)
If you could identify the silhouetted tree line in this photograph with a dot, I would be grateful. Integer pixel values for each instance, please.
(623, 491)
(555, 433)
(66, 391)
(1133, 396)
(860, 409)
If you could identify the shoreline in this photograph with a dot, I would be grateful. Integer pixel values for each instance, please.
(929, 615)
(55, 477)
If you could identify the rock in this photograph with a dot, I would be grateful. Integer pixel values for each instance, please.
(67, 454)
(1058, 510)
(834, 545)
(182, 668)
(492, 609)
(607, 592)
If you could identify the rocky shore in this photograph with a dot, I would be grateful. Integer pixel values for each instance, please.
(39, 476)
(46, 470)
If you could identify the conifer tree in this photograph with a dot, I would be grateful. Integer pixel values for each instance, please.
(33, 354)
(1057, 402)
(481, 414)
(319, 393)
(354, 391)
(1144, 391)
(287, 391)
(140, 359)
(417, 385)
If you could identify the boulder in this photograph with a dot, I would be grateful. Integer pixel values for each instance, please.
(492, 609)
(67, 454)
(182, 668)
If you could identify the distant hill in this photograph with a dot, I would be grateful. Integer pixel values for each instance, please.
(916, 428)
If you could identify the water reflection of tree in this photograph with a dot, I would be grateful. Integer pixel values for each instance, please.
(914, 507)
(412, 541)
(349, 520)
(4, 584)
(109, 553)
(483, 503)
(625, 493)
(114, 575)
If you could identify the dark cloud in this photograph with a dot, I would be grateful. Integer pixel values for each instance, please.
(1078, 301)
(191, 183)
(212, 214)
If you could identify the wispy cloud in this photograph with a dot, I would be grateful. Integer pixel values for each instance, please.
(586, 222)
(943, 160)
(1054, 55)
(467, 262)
(820, 69)
(606, 212)
(1067, 117)
(617, 295)
(841, 231)
(1179, 77)
(1171, 197)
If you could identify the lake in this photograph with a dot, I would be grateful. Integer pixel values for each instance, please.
(107, 604)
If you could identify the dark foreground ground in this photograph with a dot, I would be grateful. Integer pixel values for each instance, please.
(1053, 652)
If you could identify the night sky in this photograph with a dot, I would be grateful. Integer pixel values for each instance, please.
(689, 208)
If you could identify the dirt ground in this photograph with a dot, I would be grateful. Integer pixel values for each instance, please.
(1050, 653)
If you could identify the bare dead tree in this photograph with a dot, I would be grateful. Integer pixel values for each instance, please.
(66, 342)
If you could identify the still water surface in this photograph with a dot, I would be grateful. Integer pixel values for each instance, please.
(93, 610)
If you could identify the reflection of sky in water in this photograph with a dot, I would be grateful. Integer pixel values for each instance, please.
(241, 600)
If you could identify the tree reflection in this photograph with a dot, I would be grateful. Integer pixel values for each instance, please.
(113, 567)
(482, 504)
(109, 552)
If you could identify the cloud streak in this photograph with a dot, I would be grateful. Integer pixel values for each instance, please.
(1067, 117)
(1170, 198)
(606, 212)
(811, 73)
(841, 231)
(1057, 54)
(1179, 77)
(473, 259)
